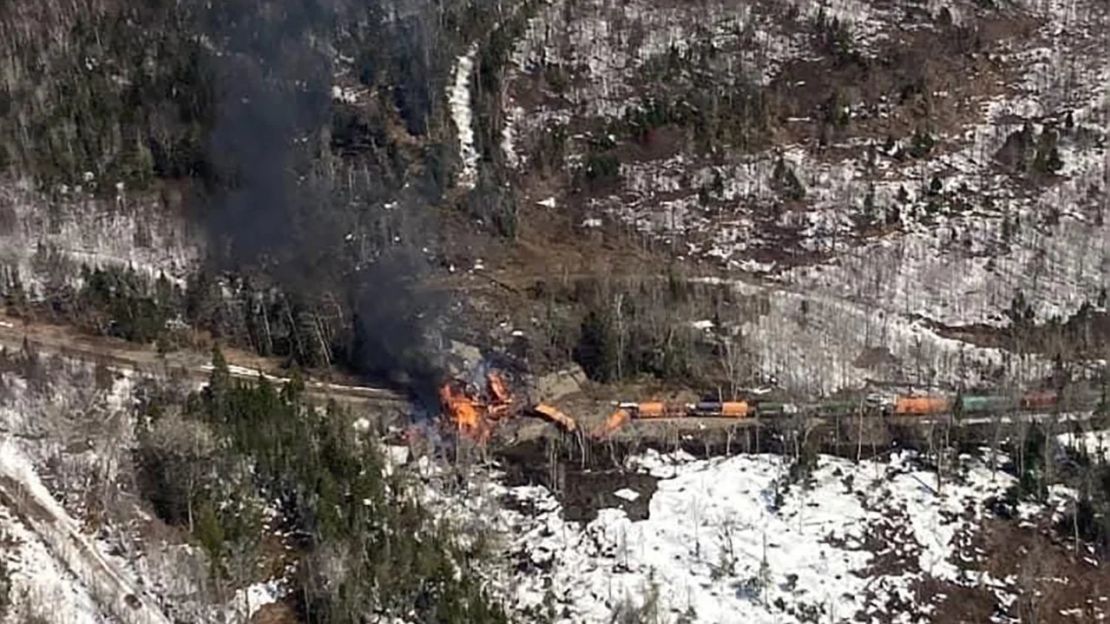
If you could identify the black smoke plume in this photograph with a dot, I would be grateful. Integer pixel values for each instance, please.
(314, 194)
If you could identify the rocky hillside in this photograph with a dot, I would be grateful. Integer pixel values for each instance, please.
(871, 170)
(802, 202)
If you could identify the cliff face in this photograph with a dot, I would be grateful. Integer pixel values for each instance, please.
(44, 240)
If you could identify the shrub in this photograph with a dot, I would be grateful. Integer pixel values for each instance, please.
(602, 169)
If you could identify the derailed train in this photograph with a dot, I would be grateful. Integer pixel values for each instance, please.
(899, 405)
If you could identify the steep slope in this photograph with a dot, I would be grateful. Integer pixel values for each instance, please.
(750, 538)
(870, 170)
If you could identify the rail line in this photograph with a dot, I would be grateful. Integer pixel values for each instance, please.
(196, 366)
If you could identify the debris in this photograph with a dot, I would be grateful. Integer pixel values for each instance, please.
(551, 414)
(475, 414)
(615, 421)
(464, 356)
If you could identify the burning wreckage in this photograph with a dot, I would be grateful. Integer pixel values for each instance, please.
(475, 409)
(475, 412)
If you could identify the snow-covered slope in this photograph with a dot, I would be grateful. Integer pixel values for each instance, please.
(77, 542)
(39, 587)
(114, 594)
(729, 540)
(886, 237)
(47, 239)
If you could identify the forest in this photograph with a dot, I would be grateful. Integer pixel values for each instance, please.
(246, 245)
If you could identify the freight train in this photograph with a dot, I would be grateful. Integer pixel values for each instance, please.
(898, 405)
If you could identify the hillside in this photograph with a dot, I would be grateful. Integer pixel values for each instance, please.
(411, 311)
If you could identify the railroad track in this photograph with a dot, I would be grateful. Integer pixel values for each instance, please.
(192, 365)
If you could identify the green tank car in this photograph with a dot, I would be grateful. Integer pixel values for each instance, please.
(840, 408)
(973, 404)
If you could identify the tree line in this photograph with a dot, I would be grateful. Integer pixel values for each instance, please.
(365, 544)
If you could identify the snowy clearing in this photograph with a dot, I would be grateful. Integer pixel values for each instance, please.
(728, 540)
(1095, 443)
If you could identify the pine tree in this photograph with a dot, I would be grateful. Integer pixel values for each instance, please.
(218, 391)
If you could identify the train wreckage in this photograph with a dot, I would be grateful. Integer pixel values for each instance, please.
(475, 410)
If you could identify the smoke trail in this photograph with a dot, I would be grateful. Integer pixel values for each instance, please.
(314, 195)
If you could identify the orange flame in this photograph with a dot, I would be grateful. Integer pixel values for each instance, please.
(475, 417)
(500, 399)
(461, 410)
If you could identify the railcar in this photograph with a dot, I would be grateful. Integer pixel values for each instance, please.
(1039, 400)
(652, 409)
(921, 405)
(977, 404)
(726, 409)
(839, 408)
(775, 409)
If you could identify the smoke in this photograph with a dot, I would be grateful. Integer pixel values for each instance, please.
(314, 194)
(394, 324)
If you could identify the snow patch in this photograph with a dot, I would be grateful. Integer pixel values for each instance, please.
(1096, 444)
(727, 540)
(458, 98)
(40, 587)
(64, 539)
(627, 494)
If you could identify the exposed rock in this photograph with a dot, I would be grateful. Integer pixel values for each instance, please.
(553, 386)
(462, 357)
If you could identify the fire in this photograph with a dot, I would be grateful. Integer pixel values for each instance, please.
(476, 413)
(498, 391)
(473, 413)
(460, 408)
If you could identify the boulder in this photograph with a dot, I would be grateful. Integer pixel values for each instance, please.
(561, 383)
(463, 358)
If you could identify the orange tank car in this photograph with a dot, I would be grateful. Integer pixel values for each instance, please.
(921, 405)
(735, 409)
(654, 409)
(554, 415)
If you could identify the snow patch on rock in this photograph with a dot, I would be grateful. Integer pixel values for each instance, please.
(458, 99)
